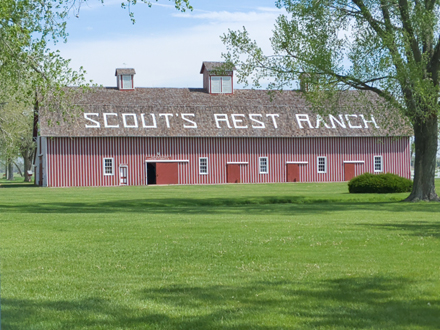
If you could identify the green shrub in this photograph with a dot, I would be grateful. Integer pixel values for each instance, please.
(379, 184)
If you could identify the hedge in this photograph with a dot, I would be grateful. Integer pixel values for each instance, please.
(379, 184)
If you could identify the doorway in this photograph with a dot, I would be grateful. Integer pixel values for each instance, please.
(162, 173)
(40, 171)
(123, 175)
(292, 173)
(151, 173)
(349, 171)
(233, 173)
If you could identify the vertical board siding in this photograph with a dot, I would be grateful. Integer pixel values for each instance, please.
(79, 161)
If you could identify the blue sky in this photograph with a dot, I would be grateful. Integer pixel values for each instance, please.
(165, 46)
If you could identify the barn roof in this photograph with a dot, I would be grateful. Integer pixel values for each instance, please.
(183, 112)
(124, 71)
(211, 66)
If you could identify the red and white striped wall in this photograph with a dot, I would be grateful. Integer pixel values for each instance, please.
(79, 161)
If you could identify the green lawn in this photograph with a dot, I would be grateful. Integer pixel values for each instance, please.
(265, 257)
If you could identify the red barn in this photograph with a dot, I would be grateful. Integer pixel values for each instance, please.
(142, 136)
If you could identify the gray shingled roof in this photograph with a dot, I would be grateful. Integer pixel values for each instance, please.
(210, 66)
(193, 112)
(124, 71)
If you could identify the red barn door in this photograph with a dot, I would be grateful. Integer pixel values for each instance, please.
(233, 173)
(348, 171)
(292, 173)
(167, 173)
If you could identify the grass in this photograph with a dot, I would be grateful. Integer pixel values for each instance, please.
(278, 256)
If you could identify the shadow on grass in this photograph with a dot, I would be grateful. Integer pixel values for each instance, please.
(373, 302)
(419, 228)
(8, 184)
(253, 205)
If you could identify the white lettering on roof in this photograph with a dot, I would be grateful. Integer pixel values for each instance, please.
(224, 121)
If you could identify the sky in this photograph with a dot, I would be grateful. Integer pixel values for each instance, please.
(164, 46)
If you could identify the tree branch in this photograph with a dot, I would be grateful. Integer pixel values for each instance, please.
(352, 81)
(387, 36)
(18, 168)
(359, 14)
(406, 21)
(31, 65)
(434, 63)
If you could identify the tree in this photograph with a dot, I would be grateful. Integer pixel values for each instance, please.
(30, 72)
(16, 123)
(393, 50)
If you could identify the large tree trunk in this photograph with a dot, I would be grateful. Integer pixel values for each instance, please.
(27, 158)
(425, 133)
(10, 170)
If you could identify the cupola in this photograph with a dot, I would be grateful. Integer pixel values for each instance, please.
(217, 79)
(124, 79)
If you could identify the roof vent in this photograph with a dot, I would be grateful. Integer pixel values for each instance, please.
(124, 79)
(217, 78)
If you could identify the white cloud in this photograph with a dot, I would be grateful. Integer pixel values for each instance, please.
(232, 17)
(154, 4)
(271, 9)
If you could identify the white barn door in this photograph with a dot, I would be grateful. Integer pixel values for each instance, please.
(123, 175)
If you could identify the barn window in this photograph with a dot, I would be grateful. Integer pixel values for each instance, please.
(127, 82)
(378, 164)
(221, 85)
(108, 166)
(264, 165)
(322, 164)
(203, 165)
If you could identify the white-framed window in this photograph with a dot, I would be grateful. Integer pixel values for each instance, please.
(322, 164)
(109, 168)
(203, 165)
(221, 84)
(378, 164)
(264, 165)
(127, 82)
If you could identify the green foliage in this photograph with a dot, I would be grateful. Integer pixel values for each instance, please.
(16, 121)
(27, 65)
(27, 28)
(188, 257)
(379, 184)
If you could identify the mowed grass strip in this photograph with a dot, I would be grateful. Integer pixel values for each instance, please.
(277, 256)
